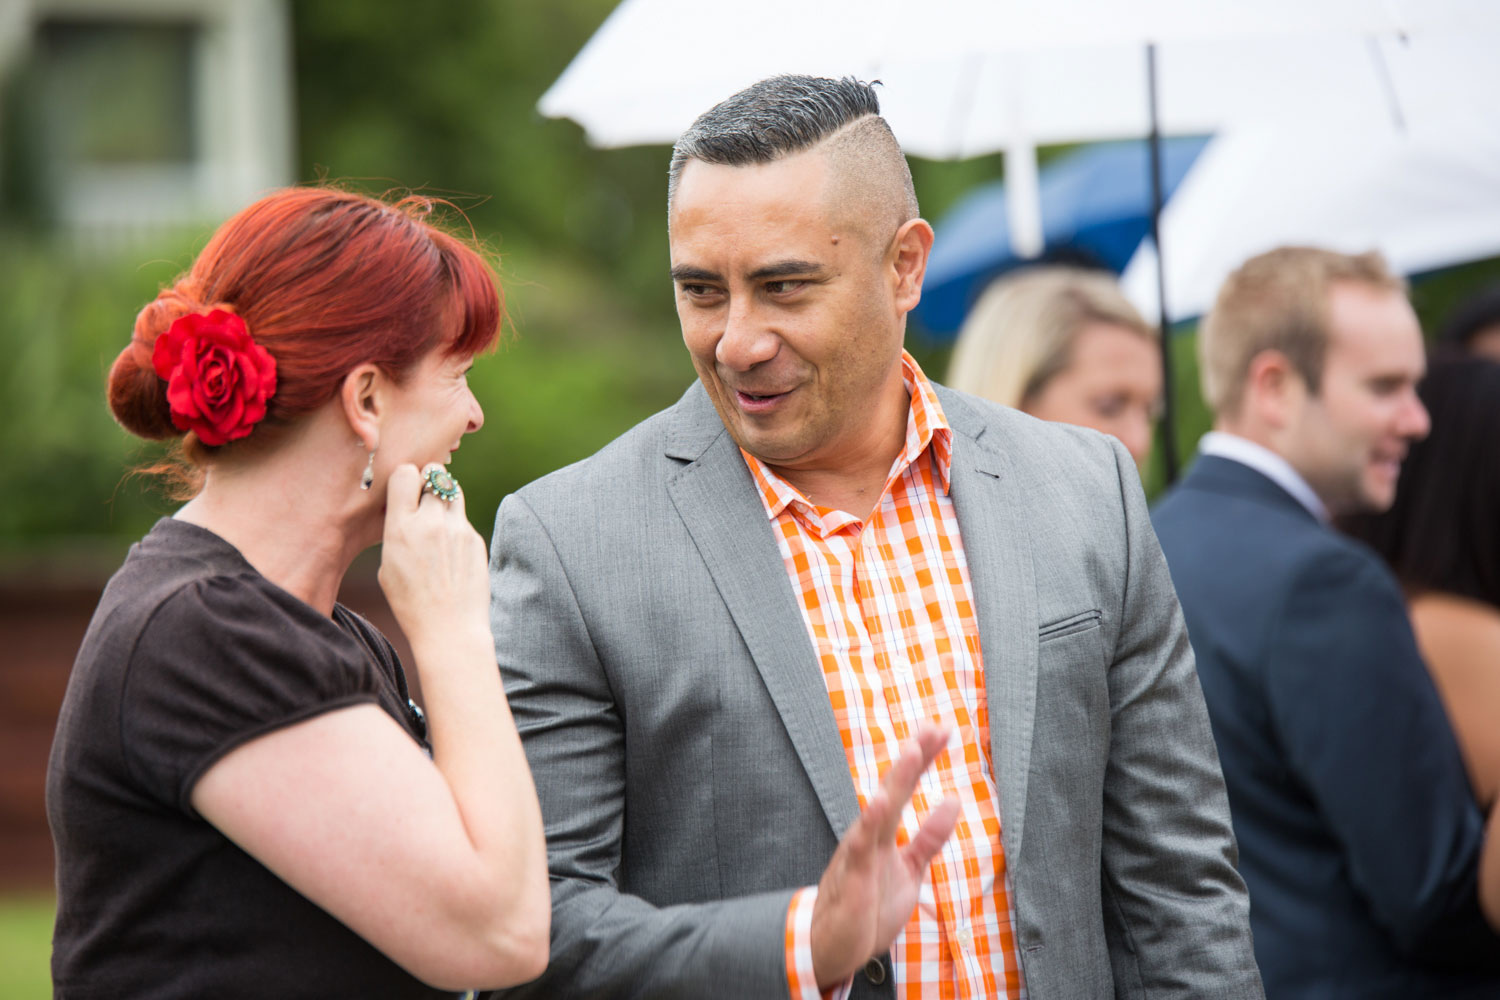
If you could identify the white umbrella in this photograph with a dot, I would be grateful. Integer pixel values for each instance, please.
(967, 77)
(1426, 196)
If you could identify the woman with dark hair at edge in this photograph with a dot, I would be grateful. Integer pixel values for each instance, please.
(1442, 539)
(244, 801)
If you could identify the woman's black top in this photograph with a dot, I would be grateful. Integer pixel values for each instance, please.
(191, 653)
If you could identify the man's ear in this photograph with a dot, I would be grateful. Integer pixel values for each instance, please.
(1274, 390)
(910, 249)
(362, 398)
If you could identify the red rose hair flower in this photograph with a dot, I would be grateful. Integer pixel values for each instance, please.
(218, 378)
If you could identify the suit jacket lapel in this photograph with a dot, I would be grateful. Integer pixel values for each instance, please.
(717, 501)
(997, 546)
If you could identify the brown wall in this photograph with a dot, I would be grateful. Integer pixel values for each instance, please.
(41, 625)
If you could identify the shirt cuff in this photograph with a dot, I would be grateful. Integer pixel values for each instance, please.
(801, 980)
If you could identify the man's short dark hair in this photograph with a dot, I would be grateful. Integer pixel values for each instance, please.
(787, 114)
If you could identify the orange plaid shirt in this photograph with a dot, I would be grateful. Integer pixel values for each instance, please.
(890, 611)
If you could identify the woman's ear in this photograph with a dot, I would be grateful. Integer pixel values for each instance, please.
(362, 399)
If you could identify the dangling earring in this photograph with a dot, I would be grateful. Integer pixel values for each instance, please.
(368, 478)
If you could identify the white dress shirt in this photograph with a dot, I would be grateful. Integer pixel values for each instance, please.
(1267, 463)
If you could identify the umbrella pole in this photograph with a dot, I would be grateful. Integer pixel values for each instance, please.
(1168, 428)
(1023, 199)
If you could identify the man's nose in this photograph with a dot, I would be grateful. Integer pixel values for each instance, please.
(1135, 435)
(748, 339)
(1415, 422)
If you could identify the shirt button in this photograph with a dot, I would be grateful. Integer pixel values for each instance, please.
(966, 937)
(875, 971)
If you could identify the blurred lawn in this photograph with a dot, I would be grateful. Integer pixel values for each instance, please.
(25, 947)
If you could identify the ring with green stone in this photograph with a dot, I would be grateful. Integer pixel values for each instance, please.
(441, 485)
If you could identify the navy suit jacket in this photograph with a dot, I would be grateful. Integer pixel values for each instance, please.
(1359, 835)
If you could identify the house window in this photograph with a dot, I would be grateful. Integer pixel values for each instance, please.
(135, 118)
(117, 93)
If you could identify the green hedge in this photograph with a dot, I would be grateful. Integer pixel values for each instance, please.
(63, 320)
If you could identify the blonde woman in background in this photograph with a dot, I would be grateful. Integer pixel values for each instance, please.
(1063, 343)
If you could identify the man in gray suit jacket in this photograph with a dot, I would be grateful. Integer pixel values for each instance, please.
(711, 705)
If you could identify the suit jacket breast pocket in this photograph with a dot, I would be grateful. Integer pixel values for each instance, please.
(1072, 706)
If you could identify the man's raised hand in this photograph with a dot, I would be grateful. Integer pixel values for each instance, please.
(870, 888)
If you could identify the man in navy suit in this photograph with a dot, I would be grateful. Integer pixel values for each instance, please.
(1359, 836)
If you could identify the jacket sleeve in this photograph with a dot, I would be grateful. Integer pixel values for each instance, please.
(604, 942)
(1176, 912)
(1364, 729)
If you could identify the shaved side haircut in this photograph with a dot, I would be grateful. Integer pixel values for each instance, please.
(783, 115)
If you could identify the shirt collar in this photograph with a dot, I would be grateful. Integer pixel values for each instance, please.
(926, 426)
(1267, 463)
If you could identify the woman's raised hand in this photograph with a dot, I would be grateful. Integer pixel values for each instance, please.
(433, 565)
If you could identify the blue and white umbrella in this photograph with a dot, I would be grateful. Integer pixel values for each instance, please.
(1095, 208)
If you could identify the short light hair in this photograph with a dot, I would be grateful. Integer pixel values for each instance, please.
(1278, 301)
(1021, 331)
(783, 115)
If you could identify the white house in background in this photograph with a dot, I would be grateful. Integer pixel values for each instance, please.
(146, 115)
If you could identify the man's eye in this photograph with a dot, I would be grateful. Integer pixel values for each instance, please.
(782, 287)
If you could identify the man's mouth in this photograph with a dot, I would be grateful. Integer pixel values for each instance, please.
(758, 400)
(1389, 460)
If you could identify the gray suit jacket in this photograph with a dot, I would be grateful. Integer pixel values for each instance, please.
(690, 769)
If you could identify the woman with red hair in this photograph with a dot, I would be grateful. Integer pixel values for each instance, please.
(244, 800)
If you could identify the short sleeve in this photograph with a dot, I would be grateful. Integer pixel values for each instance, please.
(221, 661)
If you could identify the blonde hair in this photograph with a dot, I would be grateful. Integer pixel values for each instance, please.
(1021, 331)
(1278, 301)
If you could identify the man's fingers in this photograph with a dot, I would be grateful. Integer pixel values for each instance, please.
(863, 836)
(932, 738)
(881, 817)
(933, 834)
(901, 780)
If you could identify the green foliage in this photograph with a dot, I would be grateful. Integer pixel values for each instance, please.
(446, 101)
(62, 323)
(25, 947)
(583, 369)
(1436, 294)
(1191, 418)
